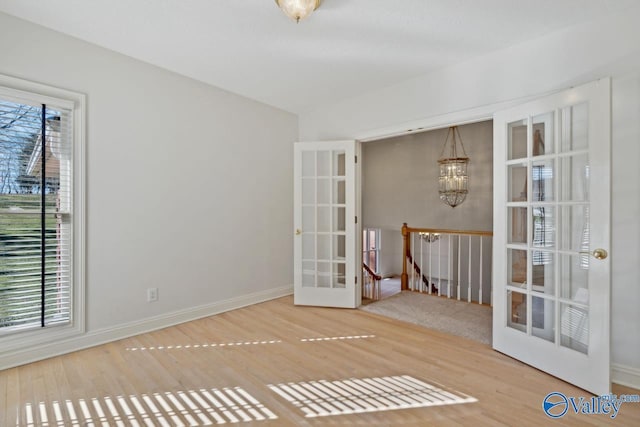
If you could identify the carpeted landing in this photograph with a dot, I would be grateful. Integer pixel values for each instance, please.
(459, 318)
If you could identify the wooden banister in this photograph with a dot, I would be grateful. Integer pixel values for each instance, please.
(444, 231)
(370, 283)
(371, 272)
(404, 277)
(417, 269)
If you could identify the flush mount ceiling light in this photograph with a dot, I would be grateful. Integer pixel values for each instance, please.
(453, 181)
(298, 9)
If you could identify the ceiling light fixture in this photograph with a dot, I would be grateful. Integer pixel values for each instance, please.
(298, 9)
(453, 182)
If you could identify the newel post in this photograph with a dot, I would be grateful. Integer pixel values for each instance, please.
(404, 278)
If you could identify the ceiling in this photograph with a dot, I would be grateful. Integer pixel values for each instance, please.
(347, 47)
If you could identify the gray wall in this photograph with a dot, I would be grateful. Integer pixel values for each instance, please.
(400, 181)
(390, 252)
(176, 172)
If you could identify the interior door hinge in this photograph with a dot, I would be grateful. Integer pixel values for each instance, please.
(356, 219)
(356, 280)
(356, 159)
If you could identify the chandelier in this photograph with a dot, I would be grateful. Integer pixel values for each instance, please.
(298, 9)
(429, 237)
(453, 181)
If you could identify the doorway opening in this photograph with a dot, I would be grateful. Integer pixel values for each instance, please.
(400, 185)
(378, 280)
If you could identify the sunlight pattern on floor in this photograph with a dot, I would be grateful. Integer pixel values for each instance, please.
(352, 396)
(172, 408)
(349, 337)
(201, 346)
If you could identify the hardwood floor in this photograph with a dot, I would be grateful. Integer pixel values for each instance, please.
(221, 369)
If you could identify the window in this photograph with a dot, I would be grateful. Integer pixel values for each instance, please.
(41, 181)
(371, 248)
(543, 217)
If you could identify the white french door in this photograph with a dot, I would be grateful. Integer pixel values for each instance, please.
(326, 250)
(552, 233)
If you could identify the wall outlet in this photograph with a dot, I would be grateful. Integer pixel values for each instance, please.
(152, 294)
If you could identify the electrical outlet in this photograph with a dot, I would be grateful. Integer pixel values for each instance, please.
(152, 294)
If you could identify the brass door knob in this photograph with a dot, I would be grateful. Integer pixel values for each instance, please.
(597, 254)
(600, 254)
(298, 231)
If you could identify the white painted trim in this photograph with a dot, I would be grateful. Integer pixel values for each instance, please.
(102, 336)
(625, 375)
(79, 206)
(31, 93)
(24, 90)
(358, 226)
(462, 117)
(427, 124)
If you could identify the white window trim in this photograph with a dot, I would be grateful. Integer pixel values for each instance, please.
(27, 92)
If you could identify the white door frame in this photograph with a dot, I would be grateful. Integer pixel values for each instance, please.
(457, 118)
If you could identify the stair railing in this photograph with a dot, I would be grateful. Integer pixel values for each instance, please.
(418, 271)
(370, 283)
(451, 263)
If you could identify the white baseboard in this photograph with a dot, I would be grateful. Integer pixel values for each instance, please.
(102, 336)
(625, 375)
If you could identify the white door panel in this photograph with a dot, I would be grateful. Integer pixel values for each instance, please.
(551, 212)
(325, 206)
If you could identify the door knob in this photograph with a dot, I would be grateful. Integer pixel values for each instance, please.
(597, 254)
(298, 231)
(600, 254)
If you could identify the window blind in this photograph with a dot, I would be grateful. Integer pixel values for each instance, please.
(35, 215)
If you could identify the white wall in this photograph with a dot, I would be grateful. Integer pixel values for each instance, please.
(556, 61)
(625, 195)
(189, 188)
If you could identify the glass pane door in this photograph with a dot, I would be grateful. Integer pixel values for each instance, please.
(325, 191)
(323, 219)
(547, 188)
(551, 294)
